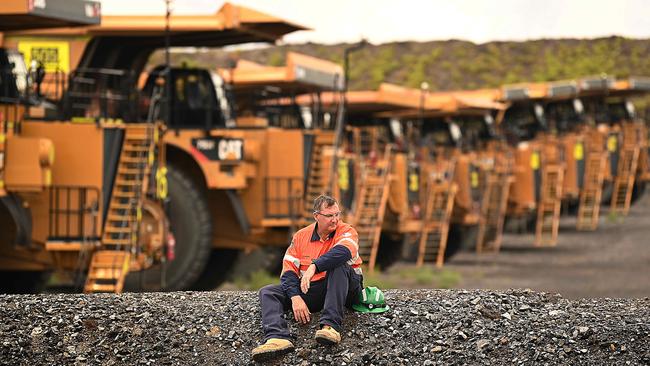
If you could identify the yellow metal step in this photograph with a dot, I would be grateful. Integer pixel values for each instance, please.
(135, 148)
(111, 241)
(105, 273)
(112, 217)
(127, 183)
(120, 206)
(130, 159)
(124, 194)
(118, 230)
(95, 287)
(64, 246)
(110, 255)
(127, 171)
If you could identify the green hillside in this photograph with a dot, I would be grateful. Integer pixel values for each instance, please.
(450, 65)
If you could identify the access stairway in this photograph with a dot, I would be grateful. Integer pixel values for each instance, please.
(317, 179)
(370, 205)
(493, 211)
(548, 209)
(110, 263)
(591, 192)
(435, 226)
(624, 181)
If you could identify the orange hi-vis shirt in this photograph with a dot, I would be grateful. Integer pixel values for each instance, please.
(307, 246)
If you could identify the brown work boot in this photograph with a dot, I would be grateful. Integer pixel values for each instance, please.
(272, 348)
(327, 336)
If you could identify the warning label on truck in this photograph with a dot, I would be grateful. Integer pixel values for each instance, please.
(55, 56)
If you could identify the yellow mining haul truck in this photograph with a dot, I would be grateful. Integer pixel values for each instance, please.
(477, 116)
(286, 102)
(580, 150)
(536, 192)
(565, 119)
(431, 184)
(608, 105)
(228, 187)
(371, 153)
(61, 182)
(461, 162)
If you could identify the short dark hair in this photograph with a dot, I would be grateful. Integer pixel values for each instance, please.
(323, 199)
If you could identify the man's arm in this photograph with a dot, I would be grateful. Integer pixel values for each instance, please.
(290, 283)
(335, 257)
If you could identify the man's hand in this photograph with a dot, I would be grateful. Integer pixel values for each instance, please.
(300, 311)
(306, 278)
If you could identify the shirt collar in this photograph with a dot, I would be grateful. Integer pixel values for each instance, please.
(316, 237)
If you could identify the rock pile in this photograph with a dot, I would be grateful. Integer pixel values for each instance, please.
(424, 327)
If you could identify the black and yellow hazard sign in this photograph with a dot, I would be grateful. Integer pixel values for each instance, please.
(55, 56)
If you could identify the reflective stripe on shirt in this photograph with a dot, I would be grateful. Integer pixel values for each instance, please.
(356, 245)
(351, 261)
(292, 259)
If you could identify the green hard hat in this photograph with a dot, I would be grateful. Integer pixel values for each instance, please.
(371, 300)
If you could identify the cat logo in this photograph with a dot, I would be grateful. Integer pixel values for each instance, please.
(230, 149)
(218, 148)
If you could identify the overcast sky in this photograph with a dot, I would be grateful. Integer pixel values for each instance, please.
(479, 21)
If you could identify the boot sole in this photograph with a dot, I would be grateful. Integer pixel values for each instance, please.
(325, 341)
(271, 355)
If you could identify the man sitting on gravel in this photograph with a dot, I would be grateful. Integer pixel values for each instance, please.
(320, 270)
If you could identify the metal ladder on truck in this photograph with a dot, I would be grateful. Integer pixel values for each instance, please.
(110, 263)
(590, 194)
(548, 210)
(317, 179)
(624, 181)
(370, 206)
(435, 226)
(493, 211)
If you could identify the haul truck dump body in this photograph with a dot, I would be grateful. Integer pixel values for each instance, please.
(21, 15)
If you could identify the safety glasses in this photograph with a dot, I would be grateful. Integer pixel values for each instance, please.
(329, 216)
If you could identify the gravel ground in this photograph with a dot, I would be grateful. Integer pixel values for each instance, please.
(424, 327)
(613, 261)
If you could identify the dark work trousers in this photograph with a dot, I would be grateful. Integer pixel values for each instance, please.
(340, 287)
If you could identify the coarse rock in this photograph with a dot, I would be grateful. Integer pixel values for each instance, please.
(423, 327)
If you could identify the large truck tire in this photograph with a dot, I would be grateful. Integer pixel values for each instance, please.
(23, 282)
(191, 224)
(608, 191)
(391, 247)
(461, 237)
(606, 195)
(217, 270)
(521, 224)
(638, 191)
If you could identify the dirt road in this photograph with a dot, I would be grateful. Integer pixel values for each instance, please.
(613, 261)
